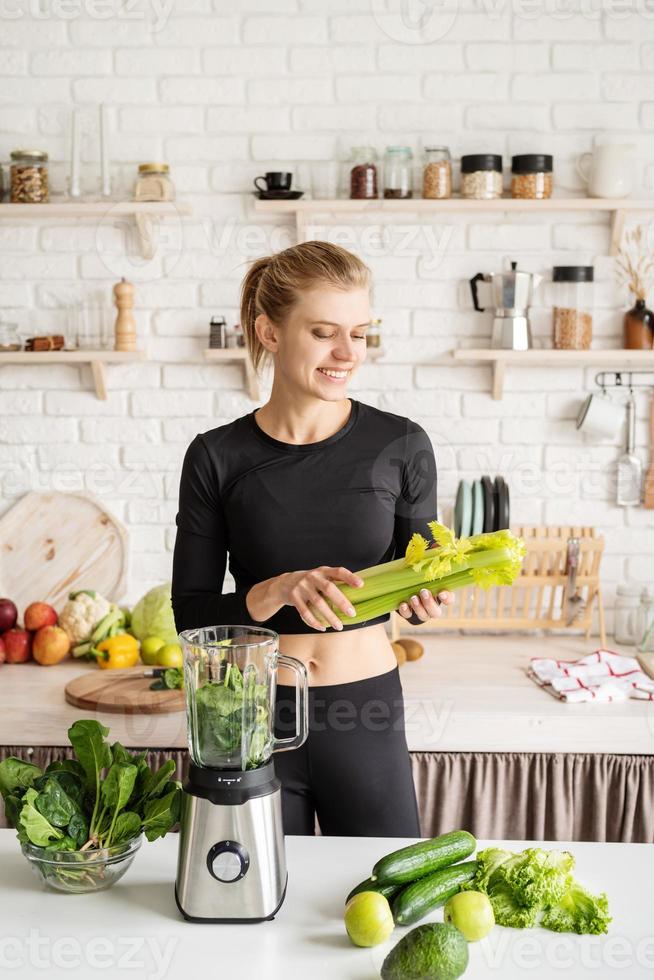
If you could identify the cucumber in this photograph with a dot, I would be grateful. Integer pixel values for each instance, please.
(419, 860)
(429, 893)
(388, 891)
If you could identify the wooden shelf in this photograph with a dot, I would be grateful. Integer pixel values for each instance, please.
(501, 359)
(146, 214)
(304, 208)
(96, 358)
(232, 354)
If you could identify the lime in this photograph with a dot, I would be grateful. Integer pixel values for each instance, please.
(150, 648)
(368, 919)
(471, 913)
(170, 655)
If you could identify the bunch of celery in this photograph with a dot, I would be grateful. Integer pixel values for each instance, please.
(488, 559)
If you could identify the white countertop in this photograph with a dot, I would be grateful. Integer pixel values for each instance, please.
(466, 694)
(134, 928)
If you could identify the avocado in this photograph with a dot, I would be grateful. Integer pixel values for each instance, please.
(433, 951)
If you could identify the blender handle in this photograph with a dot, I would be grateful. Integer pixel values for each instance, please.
(473, 288)
(301, 705)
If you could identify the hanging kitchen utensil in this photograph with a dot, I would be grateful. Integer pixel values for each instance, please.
(574, 601)
(649, 479)
(630, 472)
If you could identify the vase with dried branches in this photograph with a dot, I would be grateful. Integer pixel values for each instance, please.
(635, 270)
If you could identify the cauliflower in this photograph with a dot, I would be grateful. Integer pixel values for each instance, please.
(82, 613)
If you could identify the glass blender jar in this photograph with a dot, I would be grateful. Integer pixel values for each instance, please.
(231, 863)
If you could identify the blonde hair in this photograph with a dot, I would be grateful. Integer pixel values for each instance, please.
(273, 282)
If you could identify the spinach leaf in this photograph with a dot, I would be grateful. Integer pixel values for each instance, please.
(36, 827)
(67, 765)
(65, 844)
(154, 782)
(120, 754)
(88, 739)
(78, 828)
(16, 776)
(116, 791)
(160, 815)
(55, 804)
(70, 783)
(13, 805)
(128, 825)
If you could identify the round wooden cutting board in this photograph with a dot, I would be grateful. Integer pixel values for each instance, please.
(121, 691)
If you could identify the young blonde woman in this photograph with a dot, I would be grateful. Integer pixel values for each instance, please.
(300, 493)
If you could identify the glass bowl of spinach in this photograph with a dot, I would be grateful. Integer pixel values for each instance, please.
(81, 821)
(81, 871)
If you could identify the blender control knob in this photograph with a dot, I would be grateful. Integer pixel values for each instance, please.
(228, 861)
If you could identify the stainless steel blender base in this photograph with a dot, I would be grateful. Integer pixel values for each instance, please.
(231, 863)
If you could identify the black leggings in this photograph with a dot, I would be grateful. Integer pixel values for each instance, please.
(353, 772)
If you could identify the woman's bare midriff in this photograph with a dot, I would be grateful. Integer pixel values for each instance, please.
(338, 658)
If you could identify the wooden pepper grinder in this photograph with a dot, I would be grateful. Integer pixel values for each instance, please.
(125, 328)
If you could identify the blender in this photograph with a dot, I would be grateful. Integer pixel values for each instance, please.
(511, 295)
(231, 863)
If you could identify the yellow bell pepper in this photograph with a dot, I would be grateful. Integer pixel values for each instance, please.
(118, 652)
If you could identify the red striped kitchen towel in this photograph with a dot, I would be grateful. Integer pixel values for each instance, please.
(601, 676)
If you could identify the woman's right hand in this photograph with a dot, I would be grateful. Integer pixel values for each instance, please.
(308, 591)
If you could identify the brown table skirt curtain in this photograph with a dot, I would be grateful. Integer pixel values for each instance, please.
(504, 795)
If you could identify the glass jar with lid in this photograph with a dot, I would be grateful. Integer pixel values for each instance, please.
(29, 177)
(9, 340)
(627, 612)
(531, 175)
(437, 173)
(572, 313)
(363, 173)
(154, 183)
(481, 176)
(398, 182)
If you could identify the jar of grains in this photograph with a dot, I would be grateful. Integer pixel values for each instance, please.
(573, 306)
(29, 177)
(531, 175)
(363, 175)
(437, 173)
(154, 183)
(481, 176)
(397, 172)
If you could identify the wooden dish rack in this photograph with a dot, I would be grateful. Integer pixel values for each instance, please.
(537, 600)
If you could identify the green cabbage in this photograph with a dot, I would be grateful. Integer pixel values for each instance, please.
(153, 615)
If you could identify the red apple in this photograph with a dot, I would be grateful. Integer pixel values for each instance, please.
(3, 653)
(18, 645)
(39, 614)
(50, 645)
(8, 615)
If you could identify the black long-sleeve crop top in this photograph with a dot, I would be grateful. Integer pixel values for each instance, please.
(351, 500)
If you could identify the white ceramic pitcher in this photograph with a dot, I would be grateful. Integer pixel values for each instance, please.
(609, 170)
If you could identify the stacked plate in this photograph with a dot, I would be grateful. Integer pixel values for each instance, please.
(481, 505)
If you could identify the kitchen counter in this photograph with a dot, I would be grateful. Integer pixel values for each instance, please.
(466, 694)
(135, 925)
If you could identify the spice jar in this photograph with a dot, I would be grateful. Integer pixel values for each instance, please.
(572, 319)
(373, 334)
(437, 173)
(531, 175)
(397, 173)
(481, 176)
(363, 175)
(639, 327)
(29, 177)
(154, 183)
(626, 612)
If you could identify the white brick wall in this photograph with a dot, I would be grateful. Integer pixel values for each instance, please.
(224, 91)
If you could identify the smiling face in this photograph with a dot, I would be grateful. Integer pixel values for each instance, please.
(322, 341)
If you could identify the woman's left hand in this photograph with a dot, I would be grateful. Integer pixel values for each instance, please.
(425, 605)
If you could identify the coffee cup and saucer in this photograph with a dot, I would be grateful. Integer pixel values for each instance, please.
(277, 187)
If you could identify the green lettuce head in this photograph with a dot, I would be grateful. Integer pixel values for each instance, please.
(153, 615)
